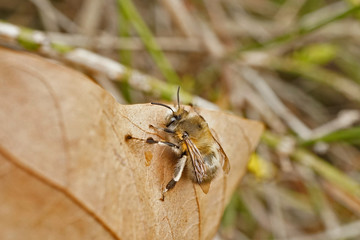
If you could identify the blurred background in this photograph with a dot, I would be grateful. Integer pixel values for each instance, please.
(292, 64)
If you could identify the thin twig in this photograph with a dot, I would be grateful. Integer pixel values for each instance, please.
(110, 87)
(181, 16)
(320, 166)
(245, 25)
(301, 31)
(317, 74)
(345, 119)
(49, 12)
(320, 203)
(277, 221)
(240, 90)
(299, 98)
(48, 16)
(351, 230)
(89, 16)
(274, 102)
(348, 201)
(195, 27)
(38, 41)
(106, 41)
(130, 12)
(218, 18)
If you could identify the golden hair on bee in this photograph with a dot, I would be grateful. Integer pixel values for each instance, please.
(189, 136)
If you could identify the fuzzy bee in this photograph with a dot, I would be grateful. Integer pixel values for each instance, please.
(189, 136)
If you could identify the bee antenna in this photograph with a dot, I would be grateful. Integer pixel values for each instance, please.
(161, 104)
(178, 98)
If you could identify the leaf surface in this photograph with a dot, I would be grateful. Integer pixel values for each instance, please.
(68, 172)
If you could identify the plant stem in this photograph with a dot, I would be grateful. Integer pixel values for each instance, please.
(301, 31)
(146, 36)
(319, 165)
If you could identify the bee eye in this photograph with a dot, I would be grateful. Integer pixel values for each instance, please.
(172, 120)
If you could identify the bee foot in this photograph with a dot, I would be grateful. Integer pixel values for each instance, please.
(162, 197)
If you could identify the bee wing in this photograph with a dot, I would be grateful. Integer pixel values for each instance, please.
(223, 158)
(197, 160)
(205, 186)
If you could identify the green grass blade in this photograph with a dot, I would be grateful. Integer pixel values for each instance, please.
(349, 135)
(146, 36)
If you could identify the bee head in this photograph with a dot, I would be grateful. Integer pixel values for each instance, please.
(175, 116)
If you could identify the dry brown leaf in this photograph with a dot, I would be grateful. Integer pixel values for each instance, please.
(68, 173)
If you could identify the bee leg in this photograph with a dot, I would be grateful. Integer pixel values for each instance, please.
(150, 140)
(161, 129)
(177, 175)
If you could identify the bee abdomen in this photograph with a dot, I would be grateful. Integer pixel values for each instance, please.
(211, 165)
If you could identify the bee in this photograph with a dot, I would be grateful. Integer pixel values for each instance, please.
(189, 136)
